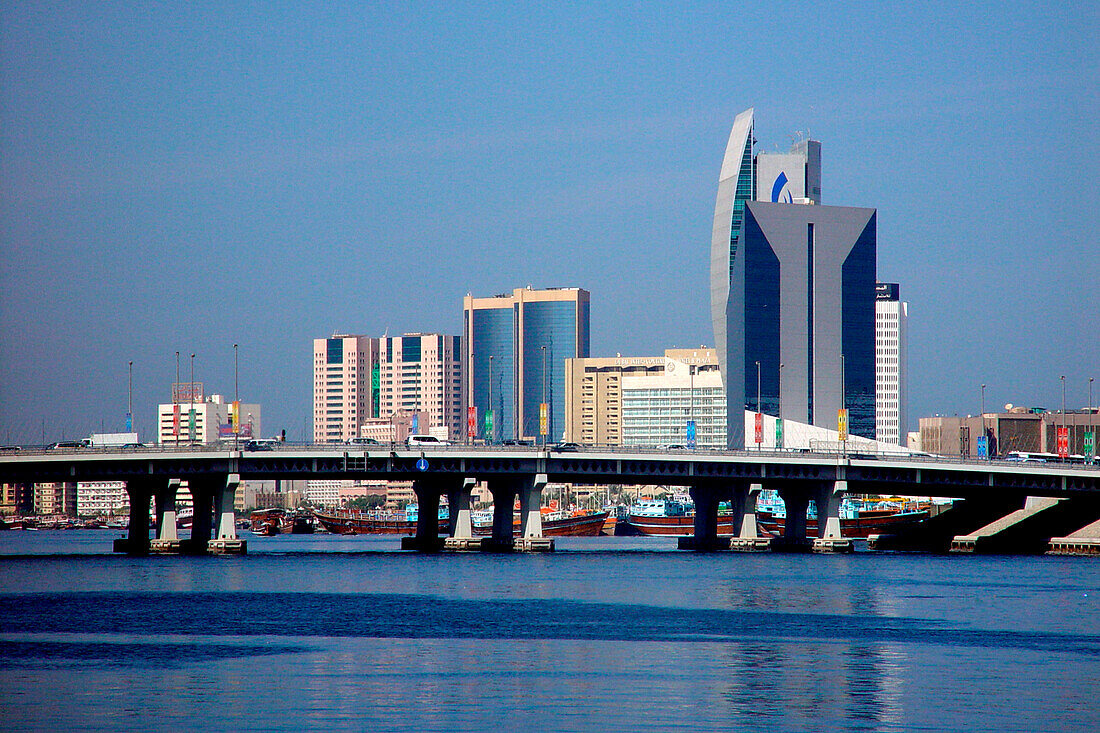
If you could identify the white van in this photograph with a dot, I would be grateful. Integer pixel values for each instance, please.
(422, 440)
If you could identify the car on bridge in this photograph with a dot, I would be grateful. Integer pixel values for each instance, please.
(565, 447)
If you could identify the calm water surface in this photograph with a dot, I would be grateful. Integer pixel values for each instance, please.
(336, 633)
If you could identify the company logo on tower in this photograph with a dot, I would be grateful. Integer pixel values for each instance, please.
(780, 193)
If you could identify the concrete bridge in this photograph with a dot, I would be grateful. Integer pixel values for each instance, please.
(213, 474)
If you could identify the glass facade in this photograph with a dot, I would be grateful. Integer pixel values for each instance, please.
(761, 320)
(550, 324)
(746, 186)
(492, 331)
(858, 332)
(410, 348)
(335, 351)
(659, 415)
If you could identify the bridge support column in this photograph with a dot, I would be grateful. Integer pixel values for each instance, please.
(828, 498)
(226, 542)
(796, 497)
(746, 535)
(530, 506)
(705, 538)
(530, 516)
(458, 501)
(428, 492)
(136, 543)
(168, 540)
(202, 497)
(461, 529)
(504, 491)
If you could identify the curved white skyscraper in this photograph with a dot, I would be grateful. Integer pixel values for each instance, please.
(736, 186)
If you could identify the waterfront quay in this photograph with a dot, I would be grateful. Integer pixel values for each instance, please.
(1003, 506)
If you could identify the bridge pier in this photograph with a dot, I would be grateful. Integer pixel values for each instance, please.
(705, 537)
(461, 529)
(167, 540)
(428, 492)
(202, 498)
(226, 542)
(747, 537)
(796, 497)
(136, 543)
(829, 537)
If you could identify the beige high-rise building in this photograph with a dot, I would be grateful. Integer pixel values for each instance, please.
(645, 401)
(420, 375)
(346, 386)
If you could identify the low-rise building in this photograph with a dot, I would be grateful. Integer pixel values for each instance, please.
(1021, 429)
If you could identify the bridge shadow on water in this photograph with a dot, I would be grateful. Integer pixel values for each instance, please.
(409, 616)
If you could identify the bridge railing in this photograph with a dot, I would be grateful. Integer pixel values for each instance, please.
(664, 451)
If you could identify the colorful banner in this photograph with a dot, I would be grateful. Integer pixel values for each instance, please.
(842, 424)
(191, 424)
(1090, 445)
(544, 421)
(489, 424)
(1063, 442)
(778, 432)
(471, 422)
(176, 420)
(759, 428)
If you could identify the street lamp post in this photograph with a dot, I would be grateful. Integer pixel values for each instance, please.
(844, 405)
(984, 435)
(544, 435)
(236, 402)
(759, 412)
(175, 402)
(130, 399)
(191, 414)
(1064, 413)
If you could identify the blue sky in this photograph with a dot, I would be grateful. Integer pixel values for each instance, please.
(182, 179)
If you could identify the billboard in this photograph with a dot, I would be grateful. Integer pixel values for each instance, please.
(187, 392)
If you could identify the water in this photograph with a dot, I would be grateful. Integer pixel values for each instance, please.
(346, 633)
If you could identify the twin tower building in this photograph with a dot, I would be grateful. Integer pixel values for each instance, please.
(793, 303)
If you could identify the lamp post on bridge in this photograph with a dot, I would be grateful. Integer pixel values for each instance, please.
(544, 420)
(236, 403)
(1064, 430)
(759, 413)
(130, 399)
(191, 414)
(984, 435)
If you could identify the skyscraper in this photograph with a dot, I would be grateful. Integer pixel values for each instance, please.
(790, 178)
(420, 374)
(891, 372)
(792, 300)
(514, 351)
(346, 386)
(736, 187)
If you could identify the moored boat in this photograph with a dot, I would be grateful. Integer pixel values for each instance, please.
(554, 524)
(670, 518)
(373, 521)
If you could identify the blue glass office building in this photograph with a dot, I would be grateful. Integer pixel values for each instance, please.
(793, 285)
(515, 349)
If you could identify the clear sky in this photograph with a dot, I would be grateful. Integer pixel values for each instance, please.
(186, 176)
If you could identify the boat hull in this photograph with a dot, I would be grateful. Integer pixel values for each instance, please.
(585, 525)
(867, 523)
